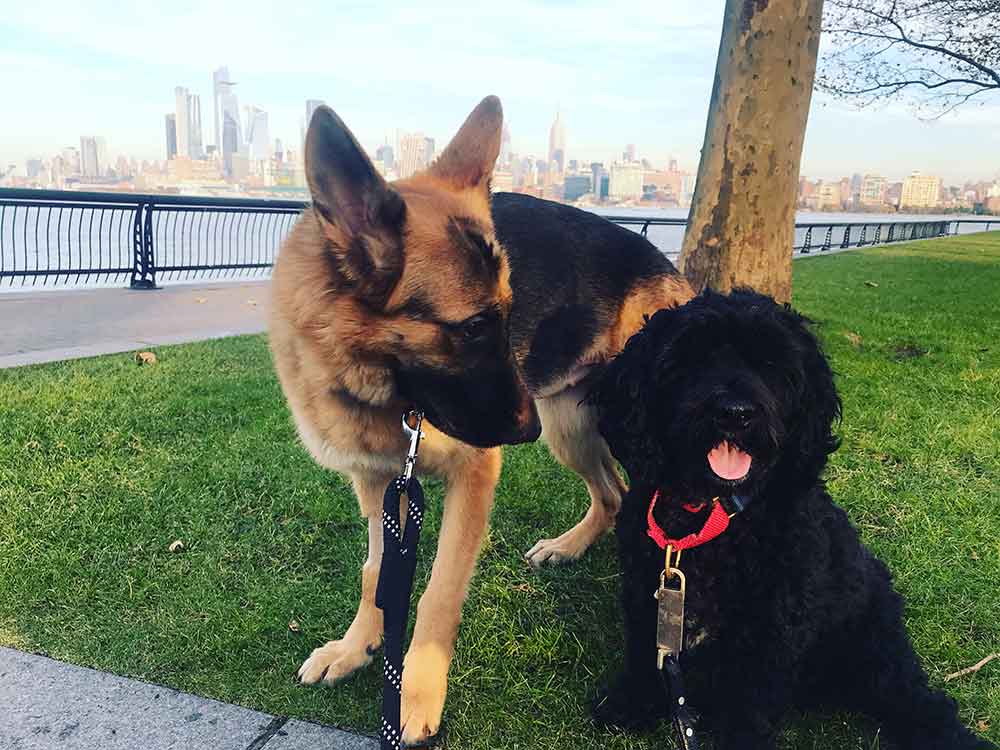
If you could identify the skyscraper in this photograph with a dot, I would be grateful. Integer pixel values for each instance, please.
(873, 189)
(228, 133)
(625, 181)
(258, 135)
(557, 143)
(504, 159)
(413, 152)
(385, 156)
(171, 127)
(629, 154)
(71, 160)
(182, 121)
(221, 85)
(93, 156)
(920, 191)
(188, 124)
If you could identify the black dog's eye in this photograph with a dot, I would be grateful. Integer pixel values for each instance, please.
(476, 328)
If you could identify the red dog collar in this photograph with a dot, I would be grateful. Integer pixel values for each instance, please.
(718, 522)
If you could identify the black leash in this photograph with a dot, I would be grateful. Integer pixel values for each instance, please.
(673, 687)
(395, 580)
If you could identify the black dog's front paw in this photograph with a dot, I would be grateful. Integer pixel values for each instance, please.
(631, 703)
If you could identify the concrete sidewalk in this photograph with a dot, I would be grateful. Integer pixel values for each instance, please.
(45, 704)
(47, 326)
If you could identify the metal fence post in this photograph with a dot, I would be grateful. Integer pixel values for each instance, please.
(143, 258)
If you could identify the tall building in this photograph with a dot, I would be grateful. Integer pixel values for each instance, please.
(629, 153)
(71, 160)
(311, 106)
(429, 151)
(188, 125)
(226, 112)
(625, 181)
(258, 135)
(413, 152)
(856, 182)
(596, 172)
(170, 122)
(920, 191)
(575, 186)
(93, 156)
(873, 189)
(220, 86)
(829, 196)
(557, 143)
(33, 168)
(504, 159)
(385, 156)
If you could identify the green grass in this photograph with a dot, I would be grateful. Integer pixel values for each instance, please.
(103, 464)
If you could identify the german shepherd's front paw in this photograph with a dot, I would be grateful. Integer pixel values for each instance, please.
(425, 684)
(569, 546)
(631, 704)
(336, 660)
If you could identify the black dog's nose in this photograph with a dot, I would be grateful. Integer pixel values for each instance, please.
(734, 414)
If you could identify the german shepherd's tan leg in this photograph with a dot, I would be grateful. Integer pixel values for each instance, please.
(467, 507)
(337, 659)
(570, 430)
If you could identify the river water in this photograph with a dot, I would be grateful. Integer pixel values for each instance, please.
(50, 239)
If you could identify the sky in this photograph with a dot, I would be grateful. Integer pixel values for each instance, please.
(627, 72)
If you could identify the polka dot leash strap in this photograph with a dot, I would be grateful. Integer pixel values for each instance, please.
(673, 687)
(395, 581)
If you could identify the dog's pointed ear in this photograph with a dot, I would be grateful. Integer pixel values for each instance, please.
(468, 161)
(361, 215)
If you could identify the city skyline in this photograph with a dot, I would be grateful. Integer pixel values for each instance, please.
(234, 164)
(636, 75)
(415, 150)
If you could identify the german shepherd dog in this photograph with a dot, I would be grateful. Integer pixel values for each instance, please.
(487, 315)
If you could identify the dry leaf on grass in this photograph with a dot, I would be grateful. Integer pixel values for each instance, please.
(145, 358)
(872, 284)
(854, 338)
(176, 546)
(982, 725)
(974, 668)
(293, 625)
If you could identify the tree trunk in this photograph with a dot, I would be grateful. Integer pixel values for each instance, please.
(742, 223)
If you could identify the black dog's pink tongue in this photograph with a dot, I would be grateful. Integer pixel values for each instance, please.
(728, 461)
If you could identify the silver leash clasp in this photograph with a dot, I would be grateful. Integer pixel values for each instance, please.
(414, 434)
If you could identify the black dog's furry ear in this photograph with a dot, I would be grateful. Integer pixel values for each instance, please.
(625, 397)
(813, 439)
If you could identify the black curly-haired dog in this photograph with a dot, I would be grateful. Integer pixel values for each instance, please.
(732, 396)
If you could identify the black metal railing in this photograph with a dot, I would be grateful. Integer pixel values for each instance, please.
(58, 238)
(65, 237)
(821, 236)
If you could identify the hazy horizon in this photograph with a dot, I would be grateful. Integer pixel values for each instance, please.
(638, 74)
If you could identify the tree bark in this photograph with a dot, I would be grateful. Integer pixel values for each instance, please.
(742, 222)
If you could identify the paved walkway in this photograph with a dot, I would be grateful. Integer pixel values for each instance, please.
(48, 705)
(46, 326)
(54, 325)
